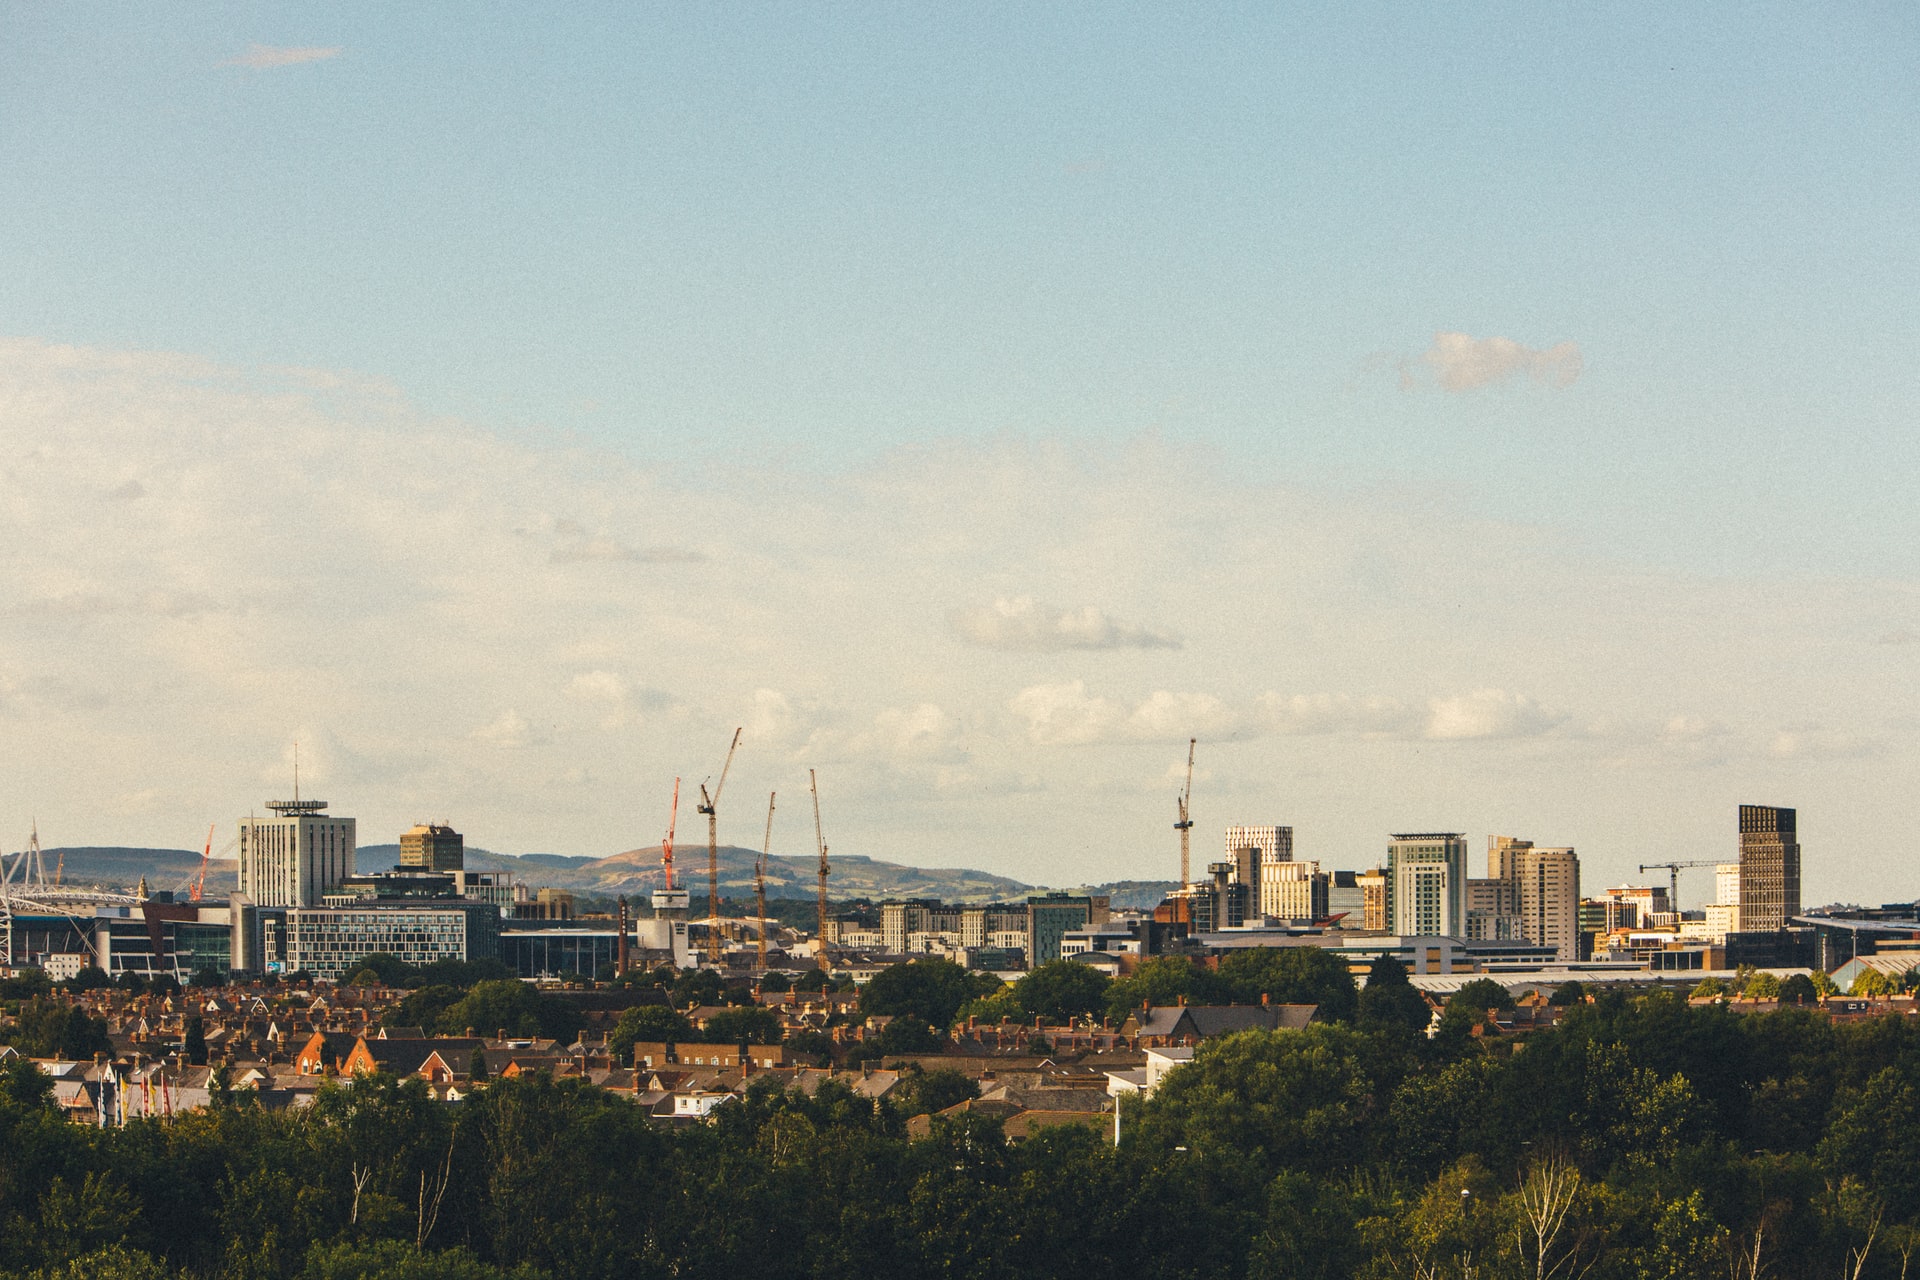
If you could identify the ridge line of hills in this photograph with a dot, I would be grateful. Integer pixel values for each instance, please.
(636, 871)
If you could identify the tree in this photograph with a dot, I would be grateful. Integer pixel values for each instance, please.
(1481, 995)
(745, 1025)
(25, 1085)
(1389, 1002)
(811, 1044)
(1871, 984)
(1292, 975)
(653, 1023)
(923, 1092)
(55, 1029)
(1164, 980)
(477, 1067)
(91, 978)
(209, 977)
(931, 990)
(1061, 990)
(193, 1041)
(1762, 986)
(906, 1033)
(775, 983)
(1798, 989)
(388, 970)
(511, 1005)
(1709, 988)
(1566, 994)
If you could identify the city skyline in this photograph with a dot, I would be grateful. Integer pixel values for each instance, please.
(1488, 423)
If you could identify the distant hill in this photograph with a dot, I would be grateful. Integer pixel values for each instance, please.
(112, 867)
(635, 872)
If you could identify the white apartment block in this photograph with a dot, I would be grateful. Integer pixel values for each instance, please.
(295, 857)
(1427, 884)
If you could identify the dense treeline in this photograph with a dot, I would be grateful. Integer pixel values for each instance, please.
(1639, 1139)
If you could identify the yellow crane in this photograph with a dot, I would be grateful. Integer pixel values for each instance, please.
(1185, 825)
(710, 805)
(760, 882)
(820, 943)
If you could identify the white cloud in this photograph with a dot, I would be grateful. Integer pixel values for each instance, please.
(1021, 623)
(1316, 713)
(263, 57)
(508, 729)
(1488, 713)
(1462, 363)
(392, 602)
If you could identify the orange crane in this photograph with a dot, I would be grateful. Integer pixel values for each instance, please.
(820, 942)
(760, 882)
(666, 844)
(200, 881)
(710, 805)
(1185, 825)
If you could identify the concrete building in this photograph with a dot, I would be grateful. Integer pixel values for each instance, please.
(1769, 868)
(1427, 883)
(296, 857)
(432, 847)
(1294, 891)
(1493, 910)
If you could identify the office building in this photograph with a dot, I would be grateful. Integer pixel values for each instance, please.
(1051, 917)
(1373, 899)
(433, 847)
(1220, 903)
(295, 857)
(1294, 891)
(1769, 868)
(1493, 910)
(1427, 884)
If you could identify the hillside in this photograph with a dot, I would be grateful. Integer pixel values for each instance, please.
(635, 873)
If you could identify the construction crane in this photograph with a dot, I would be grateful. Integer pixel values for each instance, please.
(820, 943)
(710, 805)
(200, 881)
(760, 882)
(666, 842)
(1673, 870)
(1185, 825)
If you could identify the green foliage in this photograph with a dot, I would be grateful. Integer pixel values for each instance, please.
(1480, 995)
(653, 1023)
(1710, 988)
(1798, 988)
(931, 990)
(775, 983)
(194, 1040)
(905, 1033)
(387, 970)
(51, 1028)
(1060, 990)
(1761, 986)
(511, 1005)
(394, 1260)
(1871, 984)
(30, 984)
(209, 977)
(743, 1025)
(91, 978)
(1389, 1002)
(1567, 994)
(1164, 980)
(923, 1092)
(1680, 1137)
(1292, 975)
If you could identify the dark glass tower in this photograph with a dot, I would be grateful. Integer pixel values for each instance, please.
(1769, 868)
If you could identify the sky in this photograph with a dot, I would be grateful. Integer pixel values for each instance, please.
(1491, 418)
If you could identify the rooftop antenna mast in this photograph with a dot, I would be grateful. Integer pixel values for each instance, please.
(760, 882)
(710, 805)
(820, 943)
(1185, 825)
(666, 843)
(296, 771)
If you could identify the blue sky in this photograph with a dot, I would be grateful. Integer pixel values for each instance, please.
(766, 254)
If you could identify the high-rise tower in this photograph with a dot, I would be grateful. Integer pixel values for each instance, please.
(1769, 868)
